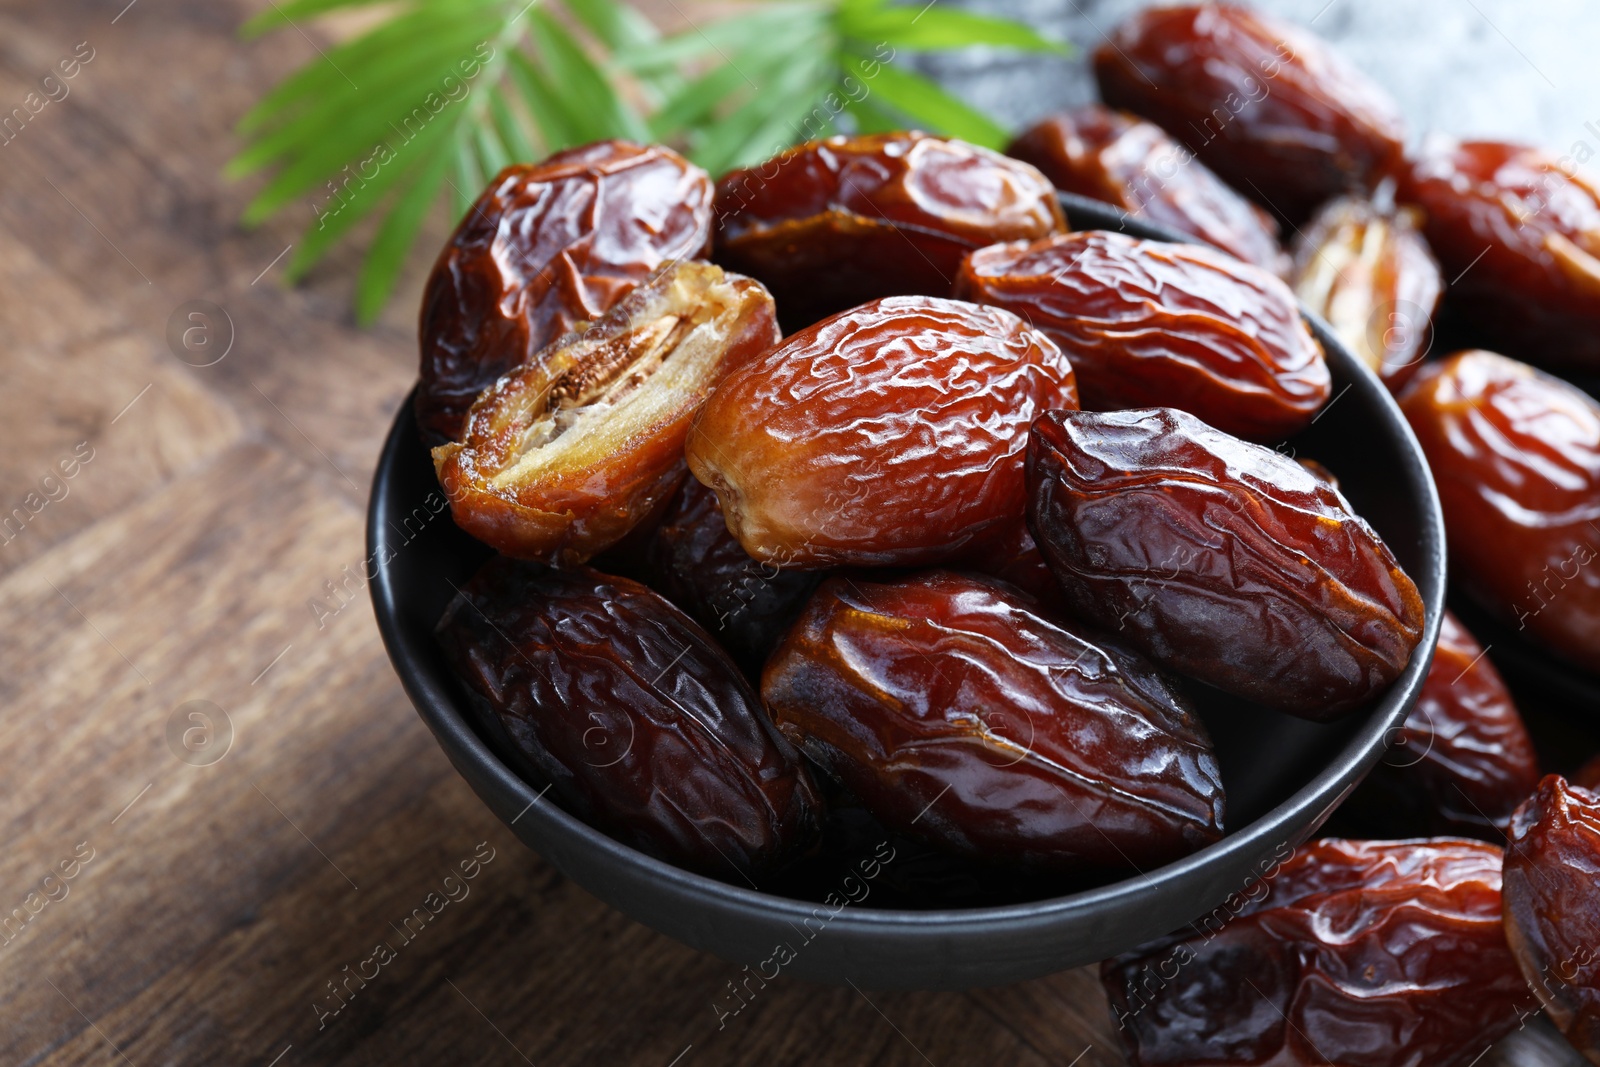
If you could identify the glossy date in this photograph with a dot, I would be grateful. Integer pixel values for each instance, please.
(1181, 539)
(1516, 456)
(1118, 158)
(1147, 323)
(892, 434)
(565, 455)
(546, 247)
(959, 715)
(1552, 913)
(1358, 953)
(633, 717)
(830, 224)
(1270, 107)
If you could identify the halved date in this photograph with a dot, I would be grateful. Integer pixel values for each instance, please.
(1359, 953)
(1121, 159)
(1368, 272)
(631, 715)
(1552, 912)
(566, 454)
(1270, 107)
(1147, 323)
(1516, 456)
(834, 223)
(1184, 539)
(960, 716)
(892, 434)
(547, 247)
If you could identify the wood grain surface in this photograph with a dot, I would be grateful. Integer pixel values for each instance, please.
(218, 907)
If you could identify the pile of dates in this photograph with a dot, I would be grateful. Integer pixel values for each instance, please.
(854, 495)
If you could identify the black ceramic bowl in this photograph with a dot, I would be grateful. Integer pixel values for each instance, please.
(1283, 776)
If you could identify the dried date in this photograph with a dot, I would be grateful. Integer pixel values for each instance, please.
(1516, 456)
(892, 434)
(1120, 159)
(1181, 538)
(546, 248)
(1358, 953)
(959, 715)
(632, 716)
(1519, 231)
(1462, 761)
(1552, 914)
(1269, 107)
(834, 223)
(565, 455)
(1369, 273)
(1147, 323)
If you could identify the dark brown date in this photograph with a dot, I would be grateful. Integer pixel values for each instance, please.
(1588, 776)
(1519, 232)
(1357, 953)
(1146, 323)
(1369, 273)
(633, 717)
(1182, 539)
(960, 716)
(1552, 912)
(565, 455)
(831, 224)
(697, 564)
(1516, 456)
(892, 434)
(1462, 762)
(547, 247)
(1269, 107)
(1119, 158)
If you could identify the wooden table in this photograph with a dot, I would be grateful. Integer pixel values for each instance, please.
(213, 902)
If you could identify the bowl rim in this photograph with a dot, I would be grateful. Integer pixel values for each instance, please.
(1344, 770)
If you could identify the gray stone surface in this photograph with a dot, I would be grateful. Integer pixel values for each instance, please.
(1508, 69)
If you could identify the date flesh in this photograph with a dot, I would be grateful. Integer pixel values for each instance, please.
(547, 247)
(1269, 107)
(565, 455)
(1359, 953)
(1519, 231)
(960, 716)
(1120, 159)
(1147, 323)
(890, 435)
(1516, 456)
(1180, 538)
(831, 224)
(1462, 762)
(1552, 913)
(696, 563)
(1369, 273)
(633, 717)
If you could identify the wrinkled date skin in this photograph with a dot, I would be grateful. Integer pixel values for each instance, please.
(831, 224)
(696, 563)
(892, 434)
(1180, 539)
(1369, 273)
(1516, 456)
(1119, 158)
(960, 716)
(1462, 762)
(1360, 953)
(1552, 909)
(565, 455)
(1269, 107)
(1519, 231)
(1147, 323)
(1014, 557)
(632, 715)
(546, 247)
